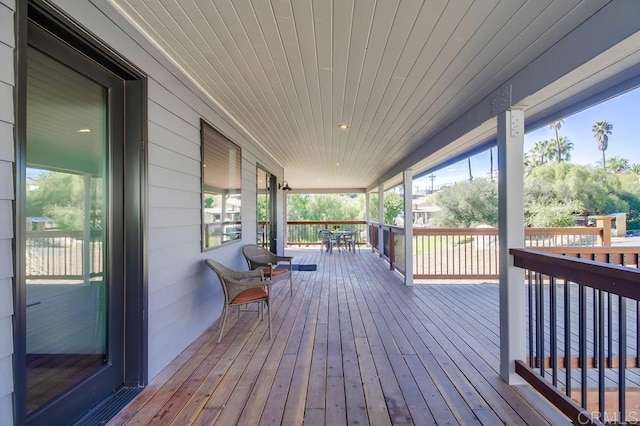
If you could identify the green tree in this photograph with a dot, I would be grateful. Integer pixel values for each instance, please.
(552, 214)
(209, 202)
(562, 149)
(325, 207)
(54, 188)
(601, 131)
(67, 218)
(595, 189)
(541, 153)
(393, 206)
(556, 126)
(635, 168)
(617, 164)
(468, 204)
(373, 206)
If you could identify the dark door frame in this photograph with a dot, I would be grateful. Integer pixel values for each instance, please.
(134, 164)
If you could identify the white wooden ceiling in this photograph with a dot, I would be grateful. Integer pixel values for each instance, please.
(396, 72)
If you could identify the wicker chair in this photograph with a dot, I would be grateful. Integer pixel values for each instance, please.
(240, 288)
(260, 258)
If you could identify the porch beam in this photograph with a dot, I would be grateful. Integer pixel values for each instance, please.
(511, 234)
(408, 226)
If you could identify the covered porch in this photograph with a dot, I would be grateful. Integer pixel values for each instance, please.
(353, 345)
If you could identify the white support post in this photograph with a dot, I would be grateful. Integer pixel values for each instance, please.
(380, 219)
(511, 235)
(367, 215)
(408, 226)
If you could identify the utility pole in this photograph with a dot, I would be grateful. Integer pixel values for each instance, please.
(432, 177)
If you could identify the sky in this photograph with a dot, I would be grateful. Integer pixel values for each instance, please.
(622, 111)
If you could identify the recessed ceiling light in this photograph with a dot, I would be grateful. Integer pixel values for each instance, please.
(84, 130)
(337, 164)
(343, 126)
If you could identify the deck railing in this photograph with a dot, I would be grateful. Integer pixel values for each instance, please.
(305, 233)
(582, 326)
(471, 253)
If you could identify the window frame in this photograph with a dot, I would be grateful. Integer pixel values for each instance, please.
(209, 135)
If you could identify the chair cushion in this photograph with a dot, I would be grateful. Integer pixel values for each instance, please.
(276, 272)
(250, 295)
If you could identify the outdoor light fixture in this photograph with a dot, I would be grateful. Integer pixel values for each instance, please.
(284, 186)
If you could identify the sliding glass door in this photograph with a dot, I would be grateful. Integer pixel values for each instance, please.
(73, 246)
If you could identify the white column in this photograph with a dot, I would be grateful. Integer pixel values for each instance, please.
(408, 227)
(511, 235)
(367, 215)
(367, 210)
(380, 218)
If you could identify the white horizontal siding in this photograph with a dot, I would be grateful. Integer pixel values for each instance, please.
(7, 43)
(6, 140)
(6, 219)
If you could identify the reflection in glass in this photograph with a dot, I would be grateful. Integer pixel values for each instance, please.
(221, 189)
(263, 208)
(65, 223)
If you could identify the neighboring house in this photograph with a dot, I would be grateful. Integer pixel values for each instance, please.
(54, 115)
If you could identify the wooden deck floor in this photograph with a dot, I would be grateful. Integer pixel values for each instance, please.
(352, 346)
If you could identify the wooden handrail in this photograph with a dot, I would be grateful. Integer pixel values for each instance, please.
(599, 275)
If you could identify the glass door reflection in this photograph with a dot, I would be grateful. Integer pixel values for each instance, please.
(66, 287)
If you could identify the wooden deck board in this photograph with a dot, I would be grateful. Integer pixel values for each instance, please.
(352, 346)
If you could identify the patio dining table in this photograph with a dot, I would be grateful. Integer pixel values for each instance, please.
(341, 237)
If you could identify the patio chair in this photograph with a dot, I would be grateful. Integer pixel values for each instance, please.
(352, 241)
(240, 288)
(328, 239)
(260, 258)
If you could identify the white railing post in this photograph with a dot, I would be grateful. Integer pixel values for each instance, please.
(511, 235)
(408, 226)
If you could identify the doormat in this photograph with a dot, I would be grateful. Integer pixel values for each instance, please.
(311, 267)
(299, 267)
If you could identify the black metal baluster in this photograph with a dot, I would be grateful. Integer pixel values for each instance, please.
(622, 365)
(531, 296)
(601, 354)
(637, 363)
(595, 328)
(540, 329)
(567, 336)
(553, 332)
(582, 339)
(638, 334)
(610, 330)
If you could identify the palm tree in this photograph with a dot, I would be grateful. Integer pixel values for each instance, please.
(540, 153)
(557, 125)
(601, 131)
(563, 149)
(635, 168)
(617, 164)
